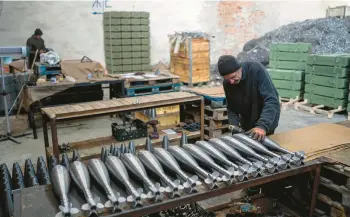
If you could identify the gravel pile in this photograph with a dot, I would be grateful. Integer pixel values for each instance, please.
(327, 35)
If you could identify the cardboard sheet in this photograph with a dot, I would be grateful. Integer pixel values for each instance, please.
(315, 140)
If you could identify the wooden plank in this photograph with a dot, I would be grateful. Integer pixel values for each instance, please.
(109, 106)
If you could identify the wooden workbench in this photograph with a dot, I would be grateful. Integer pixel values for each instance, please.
(101, 108)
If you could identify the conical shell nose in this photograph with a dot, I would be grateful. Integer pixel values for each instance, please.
(183, 140)
(131, 147)
(148, 145)
(165, 142)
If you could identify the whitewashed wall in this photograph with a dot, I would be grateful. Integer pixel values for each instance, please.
(71, 29)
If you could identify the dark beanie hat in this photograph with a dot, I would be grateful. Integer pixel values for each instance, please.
(228, 64)
(38, 32)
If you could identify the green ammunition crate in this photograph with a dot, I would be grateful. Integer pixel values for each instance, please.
(299, 57)
(125, 28)
(136, 67)
(127, 68)
(145, 60)
(135, 14)
(125, 21)
(145, 34)
(136, 35)
(137, 61)
(112, 35)
(291, 47)
(115, 42)
(136, 48)
(126, 34)
(126, 14)
(145, 41)
(145, 48)
(287, 65)
(136, 28)
(126, 41)
(326, 101)
(290, 94)
(114, 62)
(136, 54)
(327, 71)
(281, 74)
(113, 28)
(110, 55)
(327, 81)
(144, 21)
(113, 49)
(340, 60)
(145, 54)
(113, 21)
(115, 69)
(127, 61)
(290, 85)
(144, 14)
(146, 67)
(136, 41)
(327, 91)
(126, 55)
(348, 108)
(145, 28)
(127, 48)
(135, 21)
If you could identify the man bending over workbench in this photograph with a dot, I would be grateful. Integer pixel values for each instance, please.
(252, 99)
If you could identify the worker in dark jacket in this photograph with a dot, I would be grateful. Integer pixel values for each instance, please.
(252, 99)
(35, 43)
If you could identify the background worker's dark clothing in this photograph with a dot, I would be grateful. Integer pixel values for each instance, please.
(254, 101)
(34, 44)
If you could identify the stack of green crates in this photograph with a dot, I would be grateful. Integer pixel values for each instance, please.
(127, 41)
(327, 80)
(287, 67)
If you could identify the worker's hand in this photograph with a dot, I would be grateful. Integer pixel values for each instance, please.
(234, 129)
(257, 134)
(41, 51)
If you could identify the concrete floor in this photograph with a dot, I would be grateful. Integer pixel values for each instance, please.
(97, 127)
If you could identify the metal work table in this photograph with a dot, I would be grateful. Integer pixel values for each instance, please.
(109, 107)
(26, 203)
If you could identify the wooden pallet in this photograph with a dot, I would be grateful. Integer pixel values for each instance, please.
(216, 114)
(160, 80)
(213, 96)
(317, 109)
(147, 90)
(215, 124)
(198, 84)
(214, 133)
(334, 191)
(286, 102)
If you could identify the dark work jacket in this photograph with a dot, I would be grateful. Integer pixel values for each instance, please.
(34, 44)
(254, 101)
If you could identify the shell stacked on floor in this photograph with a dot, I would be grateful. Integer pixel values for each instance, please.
(126, 41)
(287, 66)
(327, 80)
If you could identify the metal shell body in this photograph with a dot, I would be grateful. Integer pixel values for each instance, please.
(254, 144)
(61, 182)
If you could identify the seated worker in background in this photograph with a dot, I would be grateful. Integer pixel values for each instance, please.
(34, 43)
(252, 99)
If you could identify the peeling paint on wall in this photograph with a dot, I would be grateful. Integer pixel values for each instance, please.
(238, 20)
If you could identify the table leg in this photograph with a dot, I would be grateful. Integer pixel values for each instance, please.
(32, 122)
(315, 190)
(56, 150)
(202, 119)
(46, 135)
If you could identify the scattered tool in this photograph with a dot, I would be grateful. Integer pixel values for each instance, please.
(154, 134)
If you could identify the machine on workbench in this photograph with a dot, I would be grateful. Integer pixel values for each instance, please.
(49, 64)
